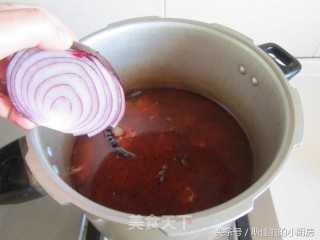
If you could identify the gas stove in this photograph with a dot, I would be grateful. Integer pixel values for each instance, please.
(240, 230)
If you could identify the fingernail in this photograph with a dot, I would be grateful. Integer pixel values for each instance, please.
(65, 38)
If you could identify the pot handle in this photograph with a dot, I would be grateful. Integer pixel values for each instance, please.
(289, 65)
(15, 178)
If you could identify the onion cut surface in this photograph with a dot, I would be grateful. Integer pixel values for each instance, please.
(74, 91)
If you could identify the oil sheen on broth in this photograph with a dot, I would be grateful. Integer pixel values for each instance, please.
(190, 155)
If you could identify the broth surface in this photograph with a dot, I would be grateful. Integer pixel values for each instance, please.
(190, 155)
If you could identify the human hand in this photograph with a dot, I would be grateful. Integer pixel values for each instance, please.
(25, 26)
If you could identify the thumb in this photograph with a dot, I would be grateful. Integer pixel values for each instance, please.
(31, 27)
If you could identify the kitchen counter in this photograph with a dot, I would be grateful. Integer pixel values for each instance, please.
(296, 192)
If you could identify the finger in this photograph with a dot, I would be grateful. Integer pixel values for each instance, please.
(53, 18)
(8, 111)
(3, 66)
(30, 27)
(20, 121)
(10, 6)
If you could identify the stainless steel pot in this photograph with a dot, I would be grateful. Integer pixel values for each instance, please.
(211, 60)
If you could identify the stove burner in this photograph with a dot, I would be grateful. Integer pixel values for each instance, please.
(241, 227)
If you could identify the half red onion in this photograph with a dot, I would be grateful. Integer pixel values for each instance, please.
(74, 91)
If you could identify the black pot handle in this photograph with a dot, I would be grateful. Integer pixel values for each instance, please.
(15, 179)
(287, 63)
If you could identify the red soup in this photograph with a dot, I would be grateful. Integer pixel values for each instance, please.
(190, 154)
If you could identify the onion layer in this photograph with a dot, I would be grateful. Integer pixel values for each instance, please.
(74, 91)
